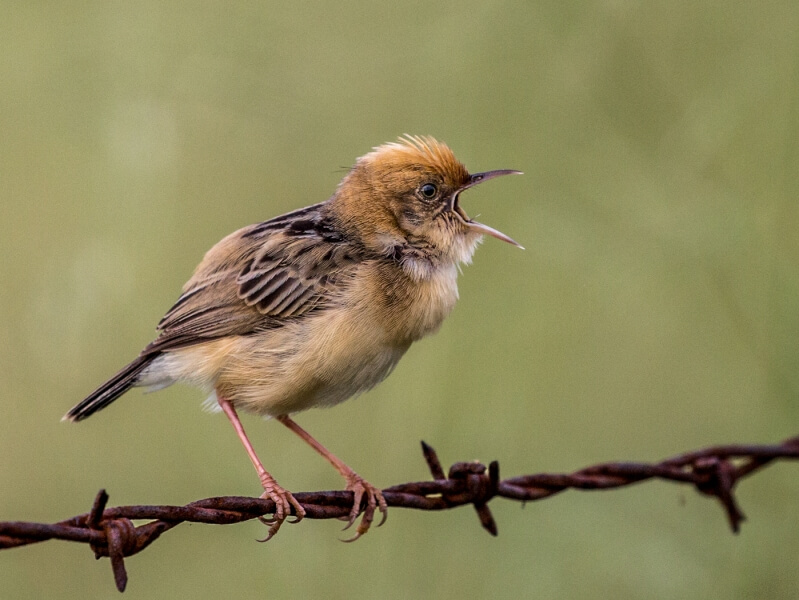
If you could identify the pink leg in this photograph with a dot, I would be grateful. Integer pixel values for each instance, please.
(355, 483)
(282, 498)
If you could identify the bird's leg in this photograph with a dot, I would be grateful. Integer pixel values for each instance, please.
(355, 483)
(282, 498)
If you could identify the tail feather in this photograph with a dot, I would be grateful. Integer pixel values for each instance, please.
(110, 390)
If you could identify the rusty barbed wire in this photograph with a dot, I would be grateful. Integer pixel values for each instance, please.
(110, 532)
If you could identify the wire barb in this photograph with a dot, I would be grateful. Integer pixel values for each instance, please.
(110, 532)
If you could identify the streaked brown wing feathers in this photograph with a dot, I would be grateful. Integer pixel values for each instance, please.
(290, 275)
(269, 276)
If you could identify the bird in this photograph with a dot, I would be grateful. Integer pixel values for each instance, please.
(318, 305)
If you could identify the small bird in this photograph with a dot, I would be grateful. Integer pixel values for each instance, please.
(318, 305)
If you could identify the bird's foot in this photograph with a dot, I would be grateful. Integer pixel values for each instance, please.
(374, 500)
(284, 501)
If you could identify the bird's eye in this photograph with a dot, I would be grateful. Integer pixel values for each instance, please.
(428, 190)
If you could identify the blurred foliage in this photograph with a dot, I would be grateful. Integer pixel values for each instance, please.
(654, 310)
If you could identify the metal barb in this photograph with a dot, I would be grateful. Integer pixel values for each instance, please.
(432, 461)
(98, 507)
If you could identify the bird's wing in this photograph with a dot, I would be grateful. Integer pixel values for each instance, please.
(258, 278)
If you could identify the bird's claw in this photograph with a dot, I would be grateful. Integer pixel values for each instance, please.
(284, 501)
(374, 500)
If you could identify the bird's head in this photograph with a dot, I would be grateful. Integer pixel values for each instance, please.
(405, 195)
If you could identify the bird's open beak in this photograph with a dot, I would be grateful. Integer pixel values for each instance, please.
(474, 225)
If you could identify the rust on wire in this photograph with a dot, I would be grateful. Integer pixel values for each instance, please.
(111, 532)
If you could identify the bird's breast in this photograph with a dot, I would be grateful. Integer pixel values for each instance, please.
(407, 309)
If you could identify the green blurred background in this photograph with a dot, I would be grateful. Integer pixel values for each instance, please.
(654, 310)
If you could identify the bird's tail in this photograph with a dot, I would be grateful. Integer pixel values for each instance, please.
(110, 390)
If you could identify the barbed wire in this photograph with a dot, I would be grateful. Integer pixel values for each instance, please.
(110, 532)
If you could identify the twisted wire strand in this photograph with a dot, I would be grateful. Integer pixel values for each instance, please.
(110, 532)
